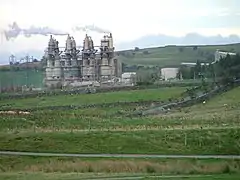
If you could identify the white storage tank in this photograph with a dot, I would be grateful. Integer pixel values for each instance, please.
(74, 46)
(169, 73)
(86, 43)
(110, 41)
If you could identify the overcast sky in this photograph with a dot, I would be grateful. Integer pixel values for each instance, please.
(126, 19)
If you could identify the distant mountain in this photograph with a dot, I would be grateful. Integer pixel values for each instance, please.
(148, 41)
(189, 39)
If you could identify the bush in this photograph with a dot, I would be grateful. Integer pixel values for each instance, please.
(195, 48)
(146, 52)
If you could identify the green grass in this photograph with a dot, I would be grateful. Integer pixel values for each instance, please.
(108, 130)
(78, 176)
(171, 56)
(133, 95)
(216, 114)
(224, 141)
(18, 78)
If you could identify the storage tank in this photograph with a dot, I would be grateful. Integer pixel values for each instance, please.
(73, 43)
(51, 46)
(105, 42)
(91, 46)
(169, 73)
(86, 43)
(68, 44)
(110, 41)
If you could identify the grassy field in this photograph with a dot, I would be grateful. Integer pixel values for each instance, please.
(211, 128)
(122, 96)
(173, 56)
(78, 176)
(21, 78)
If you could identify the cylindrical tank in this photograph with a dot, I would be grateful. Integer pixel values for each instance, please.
(55, 43)
(56, 49)
(68, 43)
(105, 42)
(73, 43)
(91, 46)
(86, 43)
(51, 45)
(51, 41)
(110, 41)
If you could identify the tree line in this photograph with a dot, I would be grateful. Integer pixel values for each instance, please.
(225, 70)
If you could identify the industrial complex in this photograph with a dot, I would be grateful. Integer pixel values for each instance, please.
(75, 65)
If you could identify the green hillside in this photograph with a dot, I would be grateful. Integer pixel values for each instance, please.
(173, 55)
(21, 77)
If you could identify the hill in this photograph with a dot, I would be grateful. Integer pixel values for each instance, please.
(189, 39)
(171, 56)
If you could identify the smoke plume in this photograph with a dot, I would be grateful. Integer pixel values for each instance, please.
(90, 28)
(14, 31)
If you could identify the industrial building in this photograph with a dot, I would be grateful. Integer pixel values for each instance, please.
(220, 54)
(169, 73)
(87, 63)
(129, 77)
(188, 64)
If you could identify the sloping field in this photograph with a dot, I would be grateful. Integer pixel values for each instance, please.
(211, 128)
(173, 55)
(110, 97)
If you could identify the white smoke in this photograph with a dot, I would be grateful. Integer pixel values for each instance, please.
(90, 28)
(14, 31)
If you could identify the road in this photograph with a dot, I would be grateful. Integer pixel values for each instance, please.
(41, 154)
